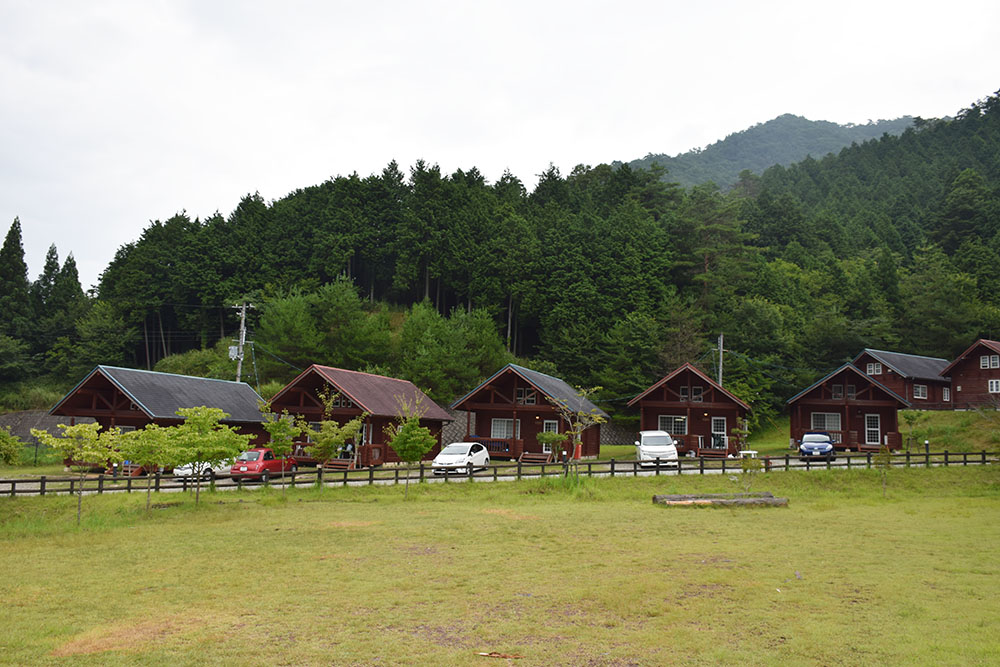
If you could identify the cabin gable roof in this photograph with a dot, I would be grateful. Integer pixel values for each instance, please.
(911, 366)
(991, 345)
(553, 387)
(852, 369)
(694, 369)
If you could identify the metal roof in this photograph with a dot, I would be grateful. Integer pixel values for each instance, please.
(160, 395)
(909, 365)
(552, 387)
(854, 368)
(694, 369)
(377, 394)
(992, 345)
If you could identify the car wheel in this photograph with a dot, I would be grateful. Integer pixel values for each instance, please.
(487, 464)
(264, 476)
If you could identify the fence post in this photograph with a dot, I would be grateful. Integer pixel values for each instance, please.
(345, 476)
(590, 470)
(946, 458)
(395, 481)
(679, 464)
(847, 455)
(612, 467)
(421, 471)
(927, 459)
(319, 474)
(371, 475)
(701, 465)
(518, 470)
(293, 477)
(13, 487)
(495, 470)
(42, 487)
(868, 457)
(157, 489)
(965, 458)
(100, 483)
(983, 455)
(723, 465)
(907, 458)
(657, 466)
(786, 461)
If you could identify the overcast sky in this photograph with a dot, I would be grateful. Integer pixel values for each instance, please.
(114, 113)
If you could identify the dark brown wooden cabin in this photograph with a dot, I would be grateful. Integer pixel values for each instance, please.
(512, 407)
(915, 378)
(975, 376)
(129, 399)
(857, 410)
(698, 412)
(358, 393)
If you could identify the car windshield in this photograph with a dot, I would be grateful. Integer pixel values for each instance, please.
(248, 456)
(456, 449)
(656, 440)
(815, 439)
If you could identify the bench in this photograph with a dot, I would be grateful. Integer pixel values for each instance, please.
(534, 458)
(712, 453)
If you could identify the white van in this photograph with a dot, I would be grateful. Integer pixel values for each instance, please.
(653, 445)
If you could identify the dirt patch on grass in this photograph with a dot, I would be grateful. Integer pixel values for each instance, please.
(123, 637)
(511, 514)
(350, 524)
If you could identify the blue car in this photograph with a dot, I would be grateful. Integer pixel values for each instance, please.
(816, 445)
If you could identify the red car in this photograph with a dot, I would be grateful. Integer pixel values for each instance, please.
(260, 463)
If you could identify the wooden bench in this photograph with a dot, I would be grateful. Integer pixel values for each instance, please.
(127, 470)
(339, 464)
(712, 453)
(534, 458)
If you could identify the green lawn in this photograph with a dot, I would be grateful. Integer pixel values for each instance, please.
(564, 575)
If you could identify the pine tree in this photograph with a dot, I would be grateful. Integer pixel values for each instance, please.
(15, 301)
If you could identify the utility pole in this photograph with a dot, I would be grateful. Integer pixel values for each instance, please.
(243, 339)
(720, 360)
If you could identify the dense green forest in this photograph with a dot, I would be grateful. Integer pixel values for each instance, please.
(784, 140)
(605, 276)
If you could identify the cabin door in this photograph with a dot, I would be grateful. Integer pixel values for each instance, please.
(873, 430)
(719, 438)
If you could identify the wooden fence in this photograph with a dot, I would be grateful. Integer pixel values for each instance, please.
(69, 484)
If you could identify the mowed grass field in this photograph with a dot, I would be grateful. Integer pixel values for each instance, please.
(561, 575)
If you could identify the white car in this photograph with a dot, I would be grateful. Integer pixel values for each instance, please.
(460, 457)
(653, 445)
(204, 469)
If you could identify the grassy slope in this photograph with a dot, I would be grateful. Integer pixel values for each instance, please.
(595, 575)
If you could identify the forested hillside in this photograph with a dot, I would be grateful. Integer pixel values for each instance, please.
(781, 141)
(605, 276)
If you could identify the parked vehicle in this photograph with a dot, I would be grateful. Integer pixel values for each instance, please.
(653, 445)
(816, 444)
(260, 463)
(204, 469)
(460, 457)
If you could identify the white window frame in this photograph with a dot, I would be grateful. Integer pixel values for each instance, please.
(550, 426)
(875, 419)
(852, 392)
(508, 426)
(697, 394)
(724, 435)
(993, 386)
(525, 396)
(827, 422)
(836, 391)
(671, 425)
(989, 361)
(920, 391)
(946, 394)
(874, 368)
(684, 393)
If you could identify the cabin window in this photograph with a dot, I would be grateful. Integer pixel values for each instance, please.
(341, 401)
(696, 394)
(126, 429)
(825, 421)
(873, 430)
(837, 391)
(920, 391)
(504, 429)
(313, 428)
(525, 396)
(989, 361)
(684, 393)
(674, 424)
(994, 386)
(874, 369)
(852, 392)
(550, 426)
(945, 394)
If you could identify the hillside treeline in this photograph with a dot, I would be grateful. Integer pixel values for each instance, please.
(605, 276)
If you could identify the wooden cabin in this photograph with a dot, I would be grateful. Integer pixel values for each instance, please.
(696, 410)
(857, 410)
(975, 376)
(356, 393)
(513, 406)
(130, 399)
(917, 379)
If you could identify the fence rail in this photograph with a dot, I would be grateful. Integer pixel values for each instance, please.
(69, 484)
